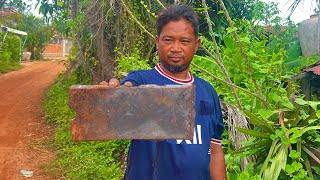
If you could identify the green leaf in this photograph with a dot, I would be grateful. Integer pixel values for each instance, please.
(294, 154)
(287, 76)
(311, 154)
(301, 101)
(265, 169)
(60, 3)
(265, 113)
(289, 169)
(316, 169)
(275, 97)
(230, 30)
(318, 114)
(296, 166)
(287, 103)
(246, 40)
(229, 42)
(279, 162)
(314, 104)
(251, 54)
(304, 130)
(254, 133)
(285, 140)
(220, 12)
(259, 122)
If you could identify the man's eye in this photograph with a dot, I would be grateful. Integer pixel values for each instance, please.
(185, 41)
(167, 40)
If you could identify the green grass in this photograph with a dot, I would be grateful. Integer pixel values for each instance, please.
(80, 160)
(9, 66)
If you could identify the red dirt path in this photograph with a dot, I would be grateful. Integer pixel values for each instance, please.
(23, 131)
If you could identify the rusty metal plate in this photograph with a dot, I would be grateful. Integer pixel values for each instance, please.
(144, 112)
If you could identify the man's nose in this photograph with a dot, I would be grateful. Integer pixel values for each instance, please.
(176, 46)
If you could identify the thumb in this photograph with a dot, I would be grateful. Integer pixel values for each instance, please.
(128, 84)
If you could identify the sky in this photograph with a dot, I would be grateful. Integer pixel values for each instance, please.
(33, 3)
(303, 11)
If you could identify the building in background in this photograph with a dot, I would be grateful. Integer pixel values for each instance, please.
(58, 47)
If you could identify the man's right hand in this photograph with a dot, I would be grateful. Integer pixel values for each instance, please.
(115, 83)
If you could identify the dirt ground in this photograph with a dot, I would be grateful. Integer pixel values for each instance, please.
(24, 134)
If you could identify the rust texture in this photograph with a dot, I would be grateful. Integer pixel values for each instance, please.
(144, 112)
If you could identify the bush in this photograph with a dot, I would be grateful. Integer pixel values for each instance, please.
(9, 53)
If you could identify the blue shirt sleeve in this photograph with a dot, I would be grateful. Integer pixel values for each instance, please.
(134, 78)
(218, 125)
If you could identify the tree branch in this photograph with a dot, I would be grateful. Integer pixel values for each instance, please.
(136, 20)
(241, 48)
(219, 59)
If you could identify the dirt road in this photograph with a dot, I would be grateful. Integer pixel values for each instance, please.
(23, 131)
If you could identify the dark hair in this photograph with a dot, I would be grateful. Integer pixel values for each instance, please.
(175, 13)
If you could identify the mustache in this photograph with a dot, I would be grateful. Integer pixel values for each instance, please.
(175, 55)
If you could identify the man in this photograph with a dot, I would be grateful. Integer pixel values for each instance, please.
(202, 157)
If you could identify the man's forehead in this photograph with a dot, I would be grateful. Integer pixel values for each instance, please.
(176, 27)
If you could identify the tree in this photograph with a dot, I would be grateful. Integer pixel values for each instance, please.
(18, 5)
(39, 34)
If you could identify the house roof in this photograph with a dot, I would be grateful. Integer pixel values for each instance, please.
(9, 11)
(15, 31)
(6, 13)
(315, 69)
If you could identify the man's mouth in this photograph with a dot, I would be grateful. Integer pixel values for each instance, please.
(175, 58)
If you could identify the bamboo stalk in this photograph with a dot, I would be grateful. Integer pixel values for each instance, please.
(219, 59)
(281, 121)
(159, 2)
(241, 48)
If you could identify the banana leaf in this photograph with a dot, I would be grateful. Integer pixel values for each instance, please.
(254, 133)
(259, 122)
(305, 149)
(264, 168)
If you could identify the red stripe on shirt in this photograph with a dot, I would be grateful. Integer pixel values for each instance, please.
(215, 141)
(179, 81)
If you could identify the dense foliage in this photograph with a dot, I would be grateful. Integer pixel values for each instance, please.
(39, 34)
(17, 16)
(9, 53)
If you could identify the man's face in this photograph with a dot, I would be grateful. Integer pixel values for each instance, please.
(176, 45)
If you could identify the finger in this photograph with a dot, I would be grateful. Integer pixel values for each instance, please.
(114, 82)
(105, 83)
(128, 84)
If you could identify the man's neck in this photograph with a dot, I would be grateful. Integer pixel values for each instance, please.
(184, 75)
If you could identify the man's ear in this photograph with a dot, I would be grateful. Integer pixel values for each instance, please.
(198, 42)
(157, 41)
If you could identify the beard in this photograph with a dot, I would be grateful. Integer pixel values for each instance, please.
(175, 68)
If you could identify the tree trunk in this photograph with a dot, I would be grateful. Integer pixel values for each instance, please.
(96, 20)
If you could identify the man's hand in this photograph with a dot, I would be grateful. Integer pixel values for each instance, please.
(115, 83)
